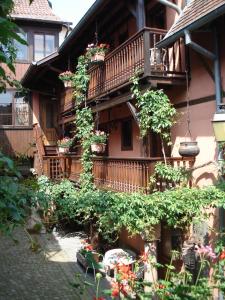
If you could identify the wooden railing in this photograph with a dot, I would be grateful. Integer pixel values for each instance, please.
(138, 52)
(40, 150)
(56, 167)
(118, 174)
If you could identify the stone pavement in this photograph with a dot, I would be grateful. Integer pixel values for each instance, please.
(44, 275)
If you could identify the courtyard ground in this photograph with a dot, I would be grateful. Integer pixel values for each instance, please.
(43, 275)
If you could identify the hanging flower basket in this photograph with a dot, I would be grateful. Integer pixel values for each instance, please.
(96, 53)
(98, 58)
(64, 144)
(98, 147)
(189, 149)
(66, 77)
(63, 150)
(67, 84)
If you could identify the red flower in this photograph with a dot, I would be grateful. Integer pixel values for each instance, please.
(99, 298)
(144, 257)
(115, 292)
(222, 255)
(88, 247)
(161, 286)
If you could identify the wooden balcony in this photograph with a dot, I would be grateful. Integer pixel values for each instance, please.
(117, 174)
(138, 52)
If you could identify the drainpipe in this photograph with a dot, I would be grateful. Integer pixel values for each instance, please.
(171, 5)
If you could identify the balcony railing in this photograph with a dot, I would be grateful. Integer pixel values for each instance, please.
(117, 174)
(138, 52)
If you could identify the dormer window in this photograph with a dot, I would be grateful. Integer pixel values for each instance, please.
(44, 44)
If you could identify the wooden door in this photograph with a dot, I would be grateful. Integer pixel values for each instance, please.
(48, 118)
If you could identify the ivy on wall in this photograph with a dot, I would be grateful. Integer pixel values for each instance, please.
(84, 121)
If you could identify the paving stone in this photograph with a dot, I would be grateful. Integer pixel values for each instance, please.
(46, 275)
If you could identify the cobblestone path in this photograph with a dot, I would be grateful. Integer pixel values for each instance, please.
(46, 275)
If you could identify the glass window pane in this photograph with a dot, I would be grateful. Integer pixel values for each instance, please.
(6, 108)
(22, 50)
(21, 108)
(49, 44)
(38, 46)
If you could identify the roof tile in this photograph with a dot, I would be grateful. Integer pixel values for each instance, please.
(193, 11)
(38, 10)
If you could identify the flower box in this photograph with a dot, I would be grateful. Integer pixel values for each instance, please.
(98, 147)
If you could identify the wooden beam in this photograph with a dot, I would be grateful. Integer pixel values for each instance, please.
(55, 69)
(134, 112)
(140, 14)
(113, 102)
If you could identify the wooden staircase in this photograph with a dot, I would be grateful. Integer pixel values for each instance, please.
(51, 150)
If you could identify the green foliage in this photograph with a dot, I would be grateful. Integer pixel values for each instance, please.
(156, 111)
(84, 121)
(169, 174)
(14, 196)
(8, 34)
(112, 211)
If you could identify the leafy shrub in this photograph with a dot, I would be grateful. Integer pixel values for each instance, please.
(111, 211)
(14, 196)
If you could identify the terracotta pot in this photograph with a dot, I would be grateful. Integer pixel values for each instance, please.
(98, 147)
(98, 58)
(63, 149)
(189, 149)
(67, 83)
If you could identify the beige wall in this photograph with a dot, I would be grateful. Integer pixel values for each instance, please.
(201, 114)
(114, 140)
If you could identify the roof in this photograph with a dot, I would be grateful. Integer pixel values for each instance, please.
(96, 7)
(38, 10)
(195, 14)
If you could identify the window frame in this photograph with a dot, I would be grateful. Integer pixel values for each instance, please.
(13, 126)
(31, 31)
(44, 33)
(18, 60)
(123, 147)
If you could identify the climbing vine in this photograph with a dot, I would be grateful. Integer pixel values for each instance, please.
(156, 112)
(84, 121)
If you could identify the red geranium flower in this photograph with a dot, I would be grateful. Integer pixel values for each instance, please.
(222, 255)
(88, 247)
(115, 292)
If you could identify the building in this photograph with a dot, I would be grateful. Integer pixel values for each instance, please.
(41, 28)
(178, 48)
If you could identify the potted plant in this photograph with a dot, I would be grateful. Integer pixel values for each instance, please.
(98, 141)
(66, 77)
(64, 144)
(96, 53)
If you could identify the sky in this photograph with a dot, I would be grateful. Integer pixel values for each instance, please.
(71, 10)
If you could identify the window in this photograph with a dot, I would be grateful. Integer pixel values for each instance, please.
(44, 44)
(126, 135)
(22, 50)
(14, 109)
(6, 108)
